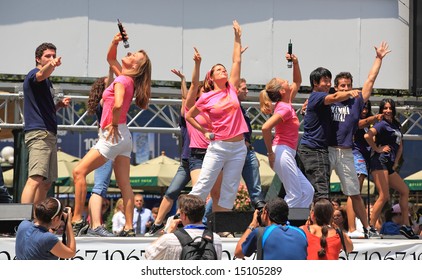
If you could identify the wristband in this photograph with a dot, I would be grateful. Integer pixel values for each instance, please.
(251, 228)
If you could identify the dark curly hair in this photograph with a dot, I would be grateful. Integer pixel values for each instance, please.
(96, 94)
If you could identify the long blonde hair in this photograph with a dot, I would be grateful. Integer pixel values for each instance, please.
(119, 203)
(142, 81)
(270, 94)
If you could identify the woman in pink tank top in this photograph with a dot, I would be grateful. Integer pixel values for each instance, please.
(227, 149)
(281, 149)
(115, 143)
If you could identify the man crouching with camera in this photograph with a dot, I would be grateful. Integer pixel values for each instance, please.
(270, 227)
(36, 240)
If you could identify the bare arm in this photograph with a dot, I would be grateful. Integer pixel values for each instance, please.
(268, 137)
(237, 55)
(340, 96)
(369, 121)
(46, 71)
(119, 94)
(68, 250)
(238, 251)
(297, 76)
(381, 51)
(183, 88)
(193, 89)
(190, 117)
(348, 242)
(370, 136)
(112, 55)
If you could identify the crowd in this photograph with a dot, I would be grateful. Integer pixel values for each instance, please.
(339, 134)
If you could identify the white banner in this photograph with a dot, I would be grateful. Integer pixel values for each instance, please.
(133, 248)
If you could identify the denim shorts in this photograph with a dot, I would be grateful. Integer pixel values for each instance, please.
(196, 158)
(382, 162)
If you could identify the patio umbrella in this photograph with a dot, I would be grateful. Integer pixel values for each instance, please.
(414, 181)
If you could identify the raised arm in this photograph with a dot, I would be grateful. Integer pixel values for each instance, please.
(297, 76)
(183, 88)
(381, 52)
(112, 54)
(340, 96)
(193, 89)
(237, 55)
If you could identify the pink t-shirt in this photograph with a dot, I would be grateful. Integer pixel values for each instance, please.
(196, 138)
(287, 131)
(108, 100)
(223, 109)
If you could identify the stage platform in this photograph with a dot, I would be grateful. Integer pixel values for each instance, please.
(126, 248)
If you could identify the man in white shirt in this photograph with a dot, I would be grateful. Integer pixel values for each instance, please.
(167, 246)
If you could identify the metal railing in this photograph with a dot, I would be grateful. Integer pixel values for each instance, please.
(162, 116)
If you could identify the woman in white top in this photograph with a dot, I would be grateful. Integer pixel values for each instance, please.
(118, 219)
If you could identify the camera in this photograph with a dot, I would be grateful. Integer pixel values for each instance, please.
(175, 217)
(259, 205)
(65, 211)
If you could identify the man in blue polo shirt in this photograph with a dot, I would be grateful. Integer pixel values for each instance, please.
(280, 241)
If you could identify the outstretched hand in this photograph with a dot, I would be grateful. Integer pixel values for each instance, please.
(196, 55)
(237, 29)
(382, 50)
(178, 73)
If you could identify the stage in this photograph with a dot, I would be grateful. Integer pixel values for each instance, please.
(126, 248)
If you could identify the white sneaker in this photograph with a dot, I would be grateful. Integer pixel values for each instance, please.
(356, 234)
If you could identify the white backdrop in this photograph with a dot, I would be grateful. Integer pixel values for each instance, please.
(336, 34)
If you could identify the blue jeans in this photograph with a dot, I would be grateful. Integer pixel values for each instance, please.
(180, 180)
(252, 178)
(102, 177)
(316, 167)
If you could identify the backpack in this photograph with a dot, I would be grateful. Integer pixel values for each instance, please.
(199, 248)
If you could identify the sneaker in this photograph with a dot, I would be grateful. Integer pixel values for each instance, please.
(154, 230)
(127, 233)
(99, 231)
(80, 228)
(408, 232)
(372, 233)
(356, 234)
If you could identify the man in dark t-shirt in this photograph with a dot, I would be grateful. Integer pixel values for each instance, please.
(41, 124)
(346, 115)
(313, 147)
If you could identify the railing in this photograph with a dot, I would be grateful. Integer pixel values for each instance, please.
(162, 116)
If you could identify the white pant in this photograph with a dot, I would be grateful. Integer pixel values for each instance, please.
(299, 192)
(227, 155)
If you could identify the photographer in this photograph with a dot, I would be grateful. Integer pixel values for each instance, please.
(280, 241)
(36, 240)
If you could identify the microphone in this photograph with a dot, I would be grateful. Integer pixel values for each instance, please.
(289, 51)
(125, 42)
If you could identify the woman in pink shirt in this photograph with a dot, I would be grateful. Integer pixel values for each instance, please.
(115, 141)
(282, 149)
(227, 146)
